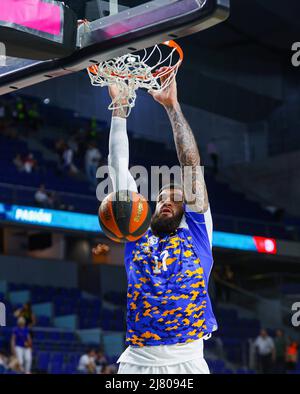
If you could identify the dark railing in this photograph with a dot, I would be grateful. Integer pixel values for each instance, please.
(280, 285)
(14, 194)
(242, 225)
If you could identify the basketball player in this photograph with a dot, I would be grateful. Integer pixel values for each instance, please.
(169, 312)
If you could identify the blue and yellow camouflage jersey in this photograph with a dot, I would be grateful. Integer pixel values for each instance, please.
(167, 299)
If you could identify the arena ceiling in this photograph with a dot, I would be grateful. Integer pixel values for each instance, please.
(263, 30)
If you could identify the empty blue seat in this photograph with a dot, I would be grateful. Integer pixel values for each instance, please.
(56, 368)
(39, 335)
(68, 336)
(57, 358)
(43, 321)
(54, 335)
(43, 359)
(69, 369)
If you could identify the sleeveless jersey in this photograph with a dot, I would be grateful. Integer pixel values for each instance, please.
(167, 299)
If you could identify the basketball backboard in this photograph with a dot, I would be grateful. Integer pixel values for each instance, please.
(117, 27)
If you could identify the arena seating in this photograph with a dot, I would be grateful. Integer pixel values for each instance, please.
(58, 351)
(71, 302)
(226, 204)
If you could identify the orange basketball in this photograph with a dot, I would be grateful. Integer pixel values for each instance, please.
(124, 216)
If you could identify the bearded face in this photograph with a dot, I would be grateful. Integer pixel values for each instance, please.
(168, 212)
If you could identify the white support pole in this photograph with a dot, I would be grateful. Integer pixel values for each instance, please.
(113, 7)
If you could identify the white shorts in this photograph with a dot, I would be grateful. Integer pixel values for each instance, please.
(24, 356)
(197, 366)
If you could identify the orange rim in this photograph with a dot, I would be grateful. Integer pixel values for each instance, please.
(171, 44)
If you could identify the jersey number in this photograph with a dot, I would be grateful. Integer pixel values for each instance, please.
(164, 257)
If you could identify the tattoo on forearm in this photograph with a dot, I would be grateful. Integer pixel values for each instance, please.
(189, 158)
(186, 146)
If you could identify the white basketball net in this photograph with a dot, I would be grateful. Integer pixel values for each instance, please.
(131, 72)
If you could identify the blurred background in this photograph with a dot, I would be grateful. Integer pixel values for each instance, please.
(241, 95)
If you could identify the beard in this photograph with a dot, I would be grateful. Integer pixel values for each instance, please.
(165, 226)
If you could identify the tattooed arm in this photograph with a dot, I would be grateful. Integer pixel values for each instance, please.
(195, 192)
(188, 155)
(114, 93)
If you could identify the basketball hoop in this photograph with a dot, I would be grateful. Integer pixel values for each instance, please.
(151, 69)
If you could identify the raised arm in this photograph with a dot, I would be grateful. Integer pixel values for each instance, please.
(118, 150)
(120, 112)
(187, 151)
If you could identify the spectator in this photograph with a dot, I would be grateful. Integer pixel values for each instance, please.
(18, 162)
(87, 362)
(21, 345)
(27, 314)
(60, 146)
(67, 161)
(265, 350)
(107, 370)
(42, 198)
(280, 349)
(73, 144)
(9, 363)
(100, 361)
(212, 151)
(3, 362)
(81, 140)
(30, 163)
(54, 200)
(13, 364)
(291, 355)
(92, 161)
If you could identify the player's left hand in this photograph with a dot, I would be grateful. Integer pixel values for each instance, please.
(114, 92)
(168, 96)
(101, 249)
(117, 94)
